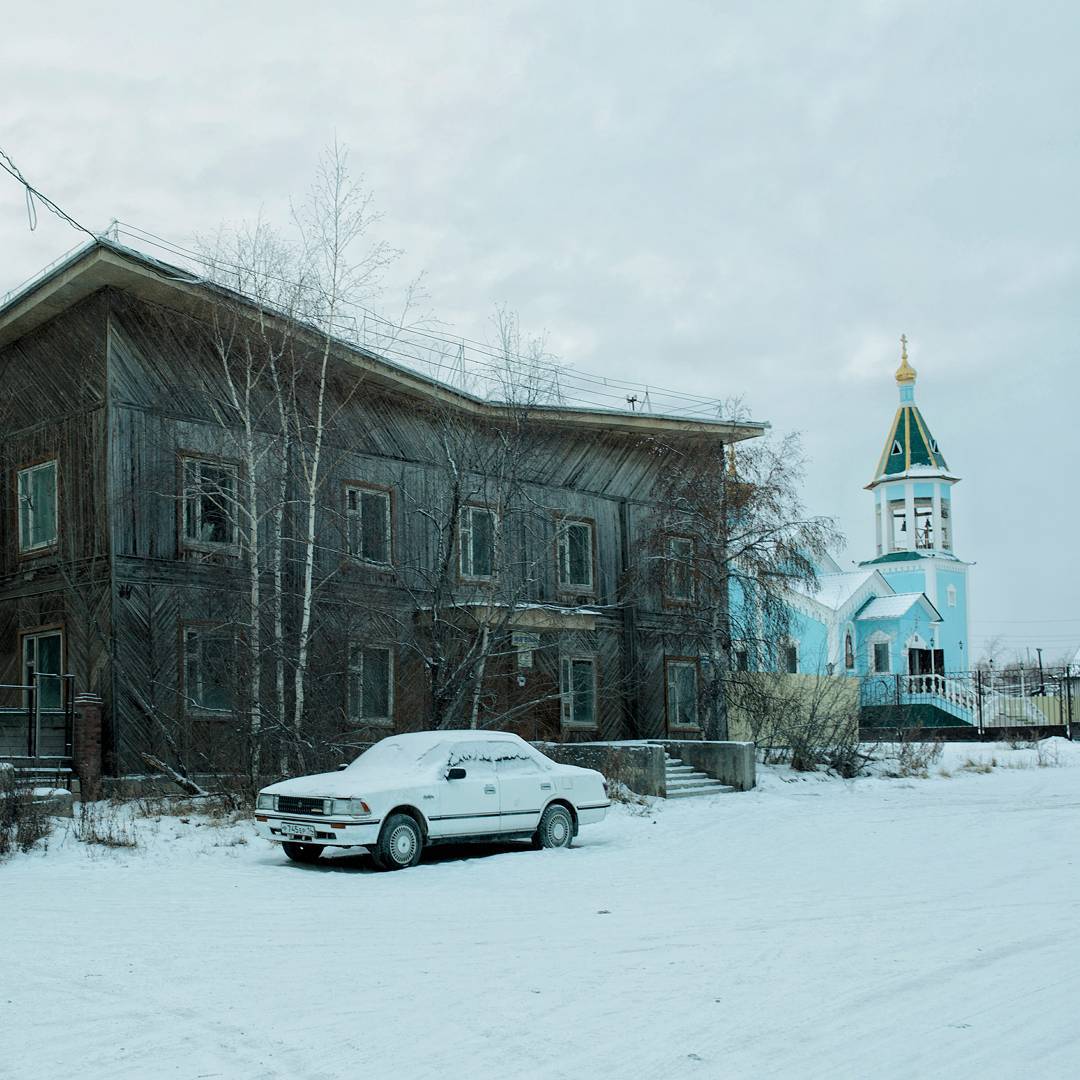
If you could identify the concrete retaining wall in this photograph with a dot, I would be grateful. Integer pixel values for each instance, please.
(729, 762)
(640, 766)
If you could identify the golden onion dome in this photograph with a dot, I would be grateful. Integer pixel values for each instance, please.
(905, 373)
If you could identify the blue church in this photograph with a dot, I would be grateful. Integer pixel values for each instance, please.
(903, 614)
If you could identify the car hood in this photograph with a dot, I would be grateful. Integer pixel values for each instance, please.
(345, 784)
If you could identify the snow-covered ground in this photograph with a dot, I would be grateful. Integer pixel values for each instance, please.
(812, 928)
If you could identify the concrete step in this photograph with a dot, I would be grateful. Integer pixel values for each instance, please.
(715, 788)
(679, 770)
(692, 780)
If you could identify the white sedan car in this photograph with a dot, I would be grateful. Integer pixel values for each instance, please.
(428, 787)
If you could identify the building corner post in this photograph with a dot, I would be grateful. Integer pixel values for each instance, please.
(87, 748)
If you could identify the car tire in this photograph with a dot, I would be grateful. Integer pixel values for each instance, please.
(305, 853)
(556, 828)
(400, 843)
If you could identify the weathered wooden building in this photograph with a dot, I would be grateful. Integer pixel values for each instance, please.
(470, 561)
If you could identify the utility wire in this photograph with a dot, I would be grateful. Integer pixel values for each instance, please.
(33, 196)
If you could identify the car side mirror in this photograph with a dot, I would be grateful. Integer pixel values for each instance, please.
(455, 774)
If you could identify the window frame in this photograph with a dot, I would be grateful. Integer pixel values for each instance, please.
(694, 663)
(362, 487)
(670, 564)
(562, 553)
(355, 716)
(467, 574)
(187, 458)
(29, 551)
(190, 706)
(875, 644)
(789, 647)
(566, 692)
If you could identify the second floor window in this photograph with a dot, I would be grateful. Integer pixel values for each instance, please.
(575, 555)
(789, 658)
(371, 693)
(477, 542)
(37, 507)
(680, 561)
(210, 502)
(368, 513)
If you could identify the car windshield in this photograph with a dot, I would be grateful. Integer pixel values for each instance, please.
(400, 755)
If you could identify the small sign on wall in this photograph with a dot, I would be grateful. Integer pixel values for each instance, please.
(525, 644)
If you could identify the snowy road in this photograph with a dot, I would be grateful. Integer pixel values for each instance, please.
(812, 928)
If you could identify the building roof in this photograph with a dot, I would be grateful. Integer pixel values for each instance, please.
(836, 589)
(896, 607)
(103, 263)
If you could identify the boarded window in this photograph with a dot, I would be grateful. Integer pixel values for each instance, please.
(477, 542)
(682, 693)
(371, 691)
(578, 692)
(42, 659)
(209, 668)
(37, 506)
(368, 513)
(680, 563)
(576, 555)
(210, 508)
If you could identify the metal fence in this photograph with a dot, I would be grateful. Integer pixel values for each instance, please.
(37, 717)
(983, 700)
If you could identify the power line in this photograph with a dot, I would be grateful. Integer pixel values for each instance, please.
(33, 196)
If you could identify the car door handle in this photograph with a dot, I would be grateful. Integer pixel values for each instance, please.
(489, 789)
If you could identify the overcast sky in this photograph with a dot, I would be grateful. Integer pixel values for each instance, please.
(731, 199)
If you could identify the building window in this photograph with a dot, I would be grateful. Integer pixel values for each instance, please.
(680, 566)
(577, 690)
(209, 666)
(368, 513)
(789, 658)
(37, 507)
(371, 685)
(210, 503)
(849, 652)
(43, 658)
(896, 448)
(682, 693)
(742, 658)
(882, 663)
(477, 542)
(575, 555)
(950, 596)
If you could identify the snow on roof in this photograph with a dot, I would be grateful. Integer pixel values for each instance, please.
(835, 590)
(894, 607)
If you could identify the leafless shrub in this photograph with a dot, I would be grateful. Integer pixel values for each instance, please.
(983, 766)
(105, 824)
(914, 757)
(24, 821)
(1047, 756)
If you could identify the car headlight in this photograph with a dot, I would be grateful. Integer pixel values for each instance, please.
(349, 807)
(266, 802)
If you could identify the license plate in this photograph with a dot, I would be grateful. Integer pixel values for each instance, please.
(297, 831)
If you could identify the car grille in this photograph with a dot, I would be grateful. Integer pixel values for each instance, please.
(291, 804)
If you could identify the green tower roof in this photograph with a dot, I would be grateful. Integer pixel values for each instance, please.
(909, 444)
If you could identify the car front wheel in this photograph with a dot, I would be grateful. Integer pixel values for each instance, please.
(305, 853)
(556, 828)
(400, 843)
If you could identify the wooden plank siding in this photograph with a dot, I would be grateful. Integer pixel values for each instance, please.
(125, 387)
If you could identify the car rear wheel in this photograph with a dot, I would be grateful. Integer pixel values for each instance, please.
(305, 853)
(400, 843)
(556, 828)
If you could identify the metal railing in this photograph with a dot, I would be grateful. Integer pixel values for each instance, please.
(40, 722)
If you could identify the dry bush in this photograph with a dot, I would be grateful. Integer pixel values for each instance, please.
(971, 765)
(24, 821)
(914, 756)
(1046, 756)
(105, 824)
